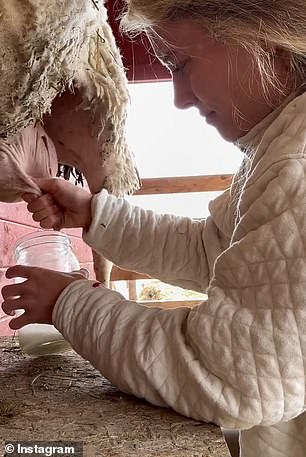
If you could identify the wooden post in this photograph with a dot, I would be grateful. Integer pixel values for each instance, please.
(132, 290)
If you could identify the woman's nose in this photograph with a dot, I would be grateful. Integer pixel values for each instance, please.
(183, 95)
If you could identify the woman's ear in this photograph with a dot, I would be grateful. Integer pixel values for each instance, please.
(284, 70)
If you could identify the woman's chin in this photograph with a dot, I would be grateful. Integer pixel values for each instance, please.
(230, 131)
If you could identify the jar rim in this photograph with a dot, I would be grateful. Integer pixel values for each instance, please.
(41, 237)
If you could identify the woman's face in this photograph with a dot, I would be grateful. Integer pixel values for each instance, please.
(221, 80)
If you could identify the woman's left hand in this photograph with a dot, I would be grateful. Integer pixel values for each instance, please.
(37, 295)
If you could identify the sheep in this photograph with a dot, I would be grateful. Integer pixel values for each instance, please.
(63, 100)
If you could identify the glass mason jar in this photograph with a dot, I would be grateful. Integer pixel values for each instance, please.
(46, 249)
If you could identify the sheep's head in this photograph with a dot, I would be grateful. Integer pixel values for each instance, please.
(65, 70)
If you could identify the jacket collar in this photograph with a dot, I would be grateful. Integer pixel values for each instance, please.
(252, 139)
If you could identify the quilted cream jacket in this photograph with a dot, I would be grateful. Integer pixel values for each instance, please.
(238, 359)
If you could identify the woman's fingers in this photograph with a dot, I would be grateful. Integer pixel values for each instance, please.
(50, 185)
(16, 290)
(19, 271)
(52, 222)
(44, 210)
(31, 312)
(50, 211)
(41, 203)
(11, 305)
(29, 198)
(8, 307)
(38, 296)
(20, 321)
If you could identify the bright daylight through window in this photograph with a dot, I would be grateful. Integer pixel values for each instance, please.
(170, 142)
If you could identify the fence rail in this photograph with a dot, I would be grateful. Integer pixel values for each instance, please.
(170, 185)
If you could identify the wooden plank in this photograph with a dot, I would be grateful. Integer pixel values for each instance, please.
(63, 397)
(182, 184)
(170, 304)
(132, 290)
(118, 274)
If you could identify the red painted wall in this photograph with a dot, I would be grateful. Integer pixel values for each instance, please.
(138, 56)
(16, 221)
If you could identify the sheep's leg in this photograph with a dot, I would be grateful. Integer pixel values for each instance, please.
(102, 267)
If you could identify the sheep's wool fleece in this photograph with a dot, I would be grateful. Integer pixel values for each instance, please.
(47, 46)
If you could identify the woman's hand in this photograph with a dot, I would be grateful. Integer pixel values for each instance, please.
(63, 205)
(37, 295)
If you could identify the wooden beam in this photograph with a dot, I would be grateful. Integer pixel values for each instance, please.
(170, 185)
(132, 290)
(172, 303)
(118, 274)
(176, 185)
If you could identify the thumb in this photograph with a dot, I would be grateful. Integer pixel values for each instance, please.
(57, 187)
(45, 186)
(48, 185)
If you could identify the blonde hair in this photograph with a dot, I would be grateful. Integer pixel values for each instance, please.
(261, 28)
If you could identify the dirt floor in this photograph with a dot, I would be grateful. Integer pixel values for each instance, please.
(63, 397)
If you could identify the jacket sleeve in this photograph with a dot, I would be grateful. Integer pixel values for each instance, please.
(238, 359)
(176, 250)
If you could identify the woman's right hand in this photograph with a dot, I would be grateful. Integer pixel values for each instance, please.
(62, 205)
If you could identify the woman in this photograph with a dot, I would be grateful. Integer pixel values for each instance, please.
(238, 359)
